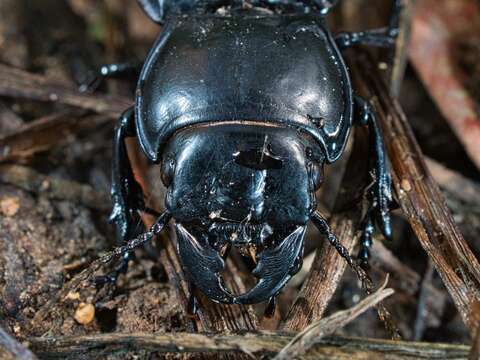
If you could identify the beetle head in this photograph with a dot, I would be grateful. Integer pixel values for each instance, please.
(252, 187)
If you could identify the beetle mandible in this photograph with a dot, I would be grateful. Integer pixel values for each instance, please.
(241, 104)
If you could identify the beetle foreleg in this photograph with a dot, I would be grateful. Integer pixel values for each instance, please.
(383, 37)
(380, 193)
(126, 193)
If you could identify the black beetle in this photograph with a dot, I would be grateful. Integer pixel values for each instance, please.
(242, 103)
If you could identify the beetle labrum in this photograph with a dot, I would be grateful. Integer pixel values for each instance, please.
(242, 104)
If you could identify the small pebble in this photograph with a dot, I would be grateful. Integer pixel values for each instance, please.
(9, 206)
(84, 314)
(406, 186)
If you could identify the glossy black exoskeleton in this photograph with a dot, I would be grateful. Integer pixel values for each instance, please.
(242, 104)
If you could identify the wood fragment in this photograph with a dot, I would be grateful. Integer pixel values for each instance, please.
(22, 84)
(324, 327)
(10, 122)
(258, 343)
(45, 133)
(405, 279)
(475, 351)
(401, 54)
(461, 187)
(424, 206)
(85, 313)
(30, 180)
(13, 348)
(439, 28)
(13, 42)
(420, 320)
(324, 277)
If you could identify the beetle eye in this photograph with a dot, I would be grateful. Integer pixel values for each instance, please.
(315, 171)
(167, 170)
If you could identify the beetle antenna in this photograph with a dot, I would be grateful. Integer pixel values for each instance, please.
(141, 239)
(322, 225)
(74, 283)
(367, 284)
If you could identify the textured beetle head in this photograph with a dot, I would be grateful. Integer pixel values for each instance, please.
(245, 186)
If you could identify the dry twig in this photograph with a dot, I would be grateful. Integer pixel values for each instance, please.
(348, 348)
(420, 197)
(21, 84)
(324, 327)
(45, 133)
(463, 188)
(401, 54)
(422, 313)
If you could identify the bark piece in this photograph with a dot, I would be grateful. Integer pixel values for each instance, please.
(439, 27)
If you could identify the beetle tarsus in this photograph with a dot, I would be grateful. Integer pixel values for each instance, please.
(383, 37)
(115, 70)
(366, 241)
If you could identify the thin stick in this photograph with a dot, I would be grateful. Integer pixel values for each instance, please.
(460, 186)
(367, 283)
(258, 343)
(401, 53)
(419, 327)
(47, 132)
(321, 328)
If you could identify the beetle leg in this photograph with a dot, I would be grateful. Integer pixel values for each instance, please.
(380, 193)
(115, 70)
(383, 37)
(126, 193)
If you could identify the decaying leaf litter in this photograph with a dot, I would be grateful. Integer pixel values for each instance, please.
(55, 152)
